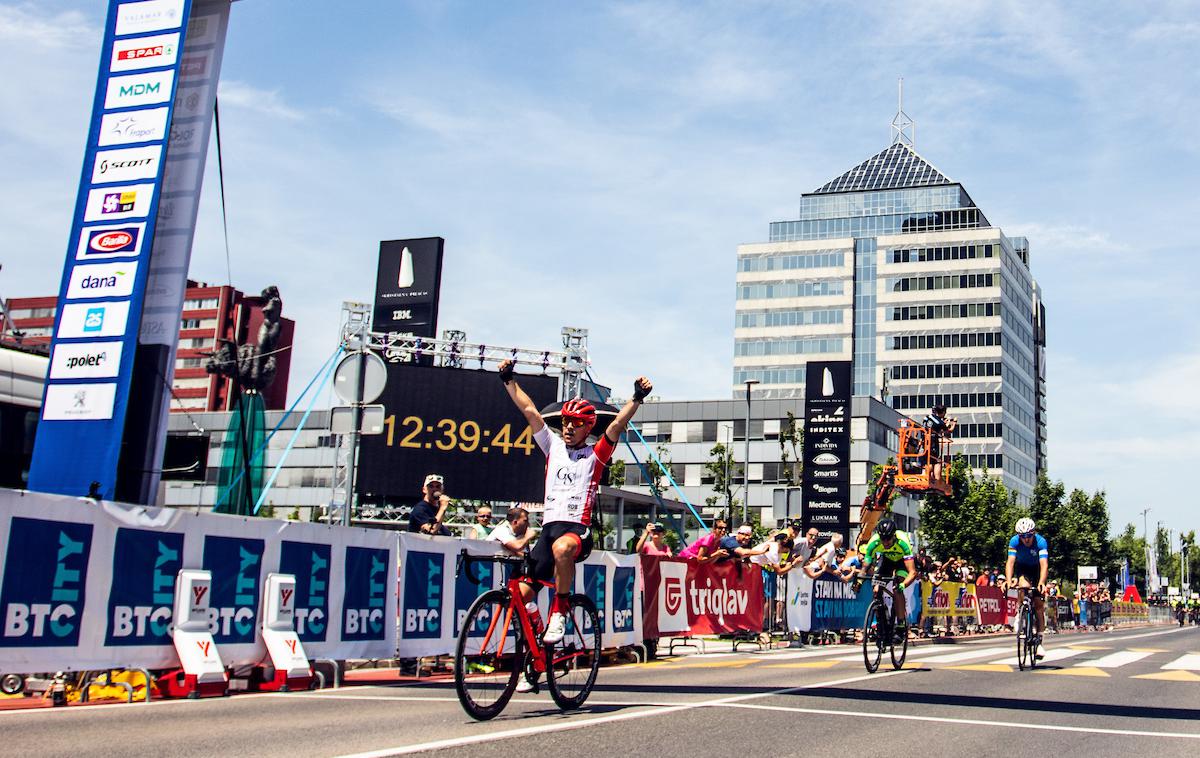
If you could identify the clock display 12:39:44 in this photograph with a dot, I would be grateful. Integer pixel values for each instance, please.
(448, 434)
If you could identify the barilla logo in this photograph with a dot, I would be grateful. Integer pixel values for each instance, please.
(365, 596)
(719, 600)
(45, 574)
(233, 599)
(141, 600)
(111, 242)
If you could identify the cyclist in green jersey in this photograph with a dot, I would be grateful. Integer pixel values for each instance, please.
(893, 548)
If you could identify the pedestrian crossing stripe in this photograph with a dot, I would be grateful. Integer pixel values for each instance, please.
(1147, 650)
(1088, 648)
(804, 665)
(983, 667)
(1076, 671)
(1171, 676)
(1118, 659)
(1190, 661)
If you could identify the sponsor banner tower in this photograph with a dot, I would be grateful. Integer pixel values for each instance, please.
(827, 448)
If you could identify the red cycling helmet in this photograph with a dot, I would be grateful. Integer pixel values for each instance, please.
(580, 409)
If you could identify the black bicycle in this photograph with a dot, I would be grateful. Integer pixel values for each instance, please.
(1027, 637)
(880, 626)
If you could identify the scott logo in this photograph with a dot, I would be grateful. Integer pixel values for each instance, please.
(672, 594)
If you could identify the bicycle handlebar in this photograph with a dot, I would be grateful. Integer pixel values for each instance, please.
(466, 559)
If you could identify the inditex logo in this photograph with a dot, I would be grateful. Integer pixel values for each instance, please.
(149, 16)
(104, 242)
(127, 164)
(93, 320)
(139, 89)
(144, 52)
(79, 402)
(102, 280)
(85, 360)
(133, 126)
(112, 203)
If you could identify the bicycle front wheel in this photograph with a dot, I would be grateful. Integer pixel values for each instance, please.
(572, 664)
(1031, 640)
(490, 655)
(899, 650)
(1023, 651)
(875, 632)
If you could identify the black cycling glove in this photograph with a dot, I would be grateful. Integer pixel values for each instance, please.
(506, 373)
(638, 393)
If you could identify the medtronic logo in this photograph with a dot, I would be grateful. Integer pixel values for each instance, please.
(309, 563)
(423, 575)
(236, 566)
(826, 459)
(45, 573)
(142, 598)
(366, 594)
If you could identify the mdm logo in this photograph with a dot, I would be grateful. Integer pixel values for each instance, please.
(309, 563)
(465, 592)
(365, 605)
(593, 586)
(624, 581)
(45, 575)
(236, 566)
(423, 575)
(142, 599)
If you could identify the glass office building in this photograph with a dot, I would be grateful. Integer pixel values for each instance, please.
(893, 266)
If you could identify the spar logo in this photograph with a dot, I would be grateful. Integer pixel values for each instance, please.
(594, 579)
(45, 573)
(142, 597)
(309, 563)
(366, 595)
(623, 584)
(236, 566)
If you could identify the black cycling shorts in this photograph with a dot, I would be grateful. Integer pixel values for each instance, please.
(888, 568)
(1030, 571)
(542, 555)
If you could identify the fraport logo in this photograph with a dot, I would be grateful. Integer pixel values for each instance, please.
(624, 580)
(593, 586)
(423, 574)
(93, 320)
(366, 594)
(45, 573)
(236, 566)
(309, 563)
(142, 598)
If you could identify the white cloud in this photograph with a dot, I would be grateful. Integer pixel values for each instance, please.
(1071, 239)
(239, 94)
(29, 26)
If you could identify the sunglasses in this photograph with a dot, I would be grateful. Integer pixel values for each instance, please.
(722, 527)
(567, 421)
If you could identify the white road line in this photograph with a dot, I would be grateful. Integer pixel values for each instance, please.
(583, 723)
(804, 654)
(964, 655)
(1057, 654)
(967, 722)
(1116, 660)
(1189, 662)
(1147, 634)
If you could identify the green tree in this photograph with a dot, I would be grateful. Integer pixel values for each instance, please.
(975, 523)
(616, 473)
(1129, 546)
(791, 441)
(724, 473)
(656, 472)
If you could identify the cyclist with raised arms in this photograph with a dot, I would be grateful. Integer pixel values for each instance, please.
(1029, 561)
(894, 550)
(573, 471)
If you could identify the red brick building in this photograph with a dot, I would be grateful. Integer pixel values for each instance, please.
(209, 313)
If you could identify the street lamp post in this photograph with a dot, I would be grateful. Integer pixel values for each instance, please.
(1146, 540)
(746, 471)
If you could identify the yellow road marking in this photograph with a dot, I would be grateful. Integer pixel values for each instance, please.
(1171, 676)
(1147, 650)
(719, 664)
(982, 667)
(803, 665)
(1088, 647)
(1076, 671)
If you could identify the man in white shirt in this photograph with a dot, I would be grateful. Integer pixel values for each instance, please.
(514, 532)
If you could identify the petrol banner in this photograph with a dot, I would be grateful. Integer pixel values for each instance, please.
(88, 585)
(435, 597)
(993, 605)
(684, 598)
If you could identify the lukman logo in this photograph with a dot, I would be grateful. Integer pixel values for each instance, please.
(142, 596)
(45, 573)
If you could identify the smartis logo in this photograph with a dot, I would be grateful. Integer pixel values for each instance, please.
(45, 573)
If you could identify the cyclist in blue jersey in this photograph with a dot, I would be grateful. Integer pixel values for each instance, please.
(1029, 562)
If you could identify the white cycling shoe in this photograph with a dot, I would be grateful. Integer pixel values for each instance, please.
(1039, 652)
(524, 685)
(556, 627)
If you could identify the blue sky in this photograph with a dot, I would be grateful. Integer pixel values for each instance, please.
(596, 165)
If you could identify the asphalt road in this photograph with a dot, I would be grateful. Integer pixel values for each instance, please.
(1134, 692)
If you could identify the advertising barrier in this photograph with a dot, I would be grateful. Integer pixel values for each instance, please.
(953, 600)
(684, 598)
(434, 602)
(87, 585)
(829, 604)
(992, 603)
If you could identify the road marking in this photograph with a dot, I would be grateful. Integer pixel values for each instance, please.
(1088, 648)
(803, 654)
(1057, 654)
(1171, 676)
(966, 722)
(1148, 650)
(584, 723)
(1119, 658)
(803, 665)
(964, 655)
(1076, 671)
(982, 667)
(718, 664)
(1189, 662)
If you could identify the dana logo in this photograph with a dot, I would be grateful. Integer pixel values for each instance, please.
(139, 89)
(133, 126)
(142, 596)
(309, 563)
(45, 573)
(102, 280)
(236, 565)
(365, 596)
(826, 459)
(86, 360)
(422, 613)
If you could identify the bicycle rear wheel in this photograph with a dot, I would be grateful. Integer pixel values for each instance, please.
(490, 655)
(900, 653)
(572, 664)
(875, 632)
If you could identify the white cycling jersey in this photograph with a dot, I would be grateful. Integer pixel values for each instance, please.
(572, 477)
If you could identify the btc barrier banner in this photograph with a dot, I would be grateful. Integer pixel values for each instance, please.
(684, 597)
(829, 604)
(950, 599)
(87, 585)
(434, 602)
